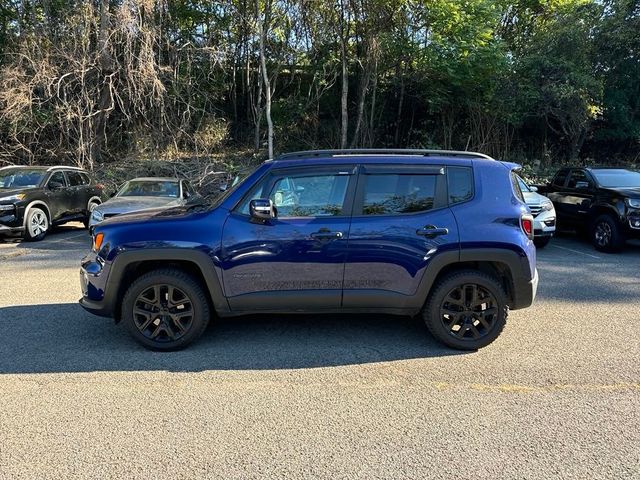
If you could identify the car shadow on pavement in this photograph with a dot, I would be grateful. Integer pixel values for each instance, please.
(61, 338)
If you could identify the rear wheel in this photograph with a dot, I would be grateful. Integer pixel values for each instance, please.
(37, 225)
(165, 310)
(466, 310)
(606, 234)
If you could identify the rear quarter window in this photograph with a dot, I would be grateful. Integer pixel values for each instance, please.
(459, 184)
(516, 186)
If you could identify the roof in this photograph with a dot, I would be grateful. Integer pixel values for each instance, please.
(374, 152)
(44, 168)
(155, 179)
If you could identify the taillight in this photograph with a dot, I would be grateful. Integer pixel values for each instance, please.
(526, 222)
(99, 186)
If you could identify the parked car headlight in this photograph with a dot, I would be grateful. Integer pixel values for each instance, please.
(547, 206)
(13, 198)
(632, 202)
(97, 215)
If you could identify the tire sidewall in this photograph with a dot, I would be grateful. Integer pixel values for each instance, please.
(27, 234)
(615, 242)
(185, 283)
(432, 309)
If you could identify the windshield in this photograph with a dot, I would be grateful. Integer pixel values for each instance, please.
(20, 178)
(149, 188)
(232, 186)
(617, 177)
(523, 186)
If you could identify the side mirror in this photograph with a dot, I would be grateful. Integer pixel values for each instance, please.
(262, 209)
(533, 188)
(53, 185)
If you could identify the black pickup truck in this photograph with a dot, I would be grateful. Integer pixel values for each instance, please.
(603, 201)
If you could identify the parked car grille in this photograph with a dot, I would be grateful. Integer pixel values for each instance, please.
(535, 209)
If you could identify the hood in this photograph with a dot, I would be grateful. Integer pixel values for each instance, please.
(534, 198)
(631, 192)
(118, 205)
(7, 192)
(156, 214)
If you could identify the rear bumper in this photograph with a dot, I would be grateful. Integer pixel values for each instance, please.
(525, 291)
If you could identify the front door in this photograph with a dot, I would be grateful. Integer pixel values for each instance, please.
(59, 196)
(400, 223)
(296, 261)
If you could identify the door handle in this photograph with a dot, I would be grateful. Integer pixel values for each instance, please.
(431, 231)
(326, 235)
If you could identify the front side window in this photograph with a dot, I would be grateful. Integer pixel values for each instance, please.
(302, 195)
(387, 194)
(578, 179)
(57, 178)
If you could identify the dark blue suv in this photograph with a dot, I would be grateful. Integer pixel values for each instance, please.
(441, 234)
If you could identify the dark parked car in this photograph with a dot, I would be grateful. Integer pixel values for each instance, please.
(143, 193)
(32, 199)
(443, 234)
(603, 201)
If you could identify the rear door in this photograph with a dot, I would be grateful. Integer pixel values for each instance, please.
(79, 190)
(401, 222)
(296, 261)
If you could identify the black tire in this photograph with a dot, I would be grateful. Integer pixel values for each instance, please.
(606, 234)
(487, 319)
(92, 205)
(37, 225)
(192, 294)
(541, 242)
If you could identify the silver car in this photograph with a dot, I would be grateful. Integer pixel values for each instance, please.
(145, 193)
(544, 214)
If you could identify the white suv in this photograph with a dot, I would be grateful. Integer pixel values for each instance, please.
(544, 215)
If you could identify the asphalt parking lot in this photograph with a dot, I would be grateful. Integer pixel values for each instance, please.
(556, 396)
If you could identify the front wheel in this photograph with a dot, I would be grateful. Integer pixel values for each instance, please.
(466, 310)
(165, 310)
(606, 234)
(37, 225)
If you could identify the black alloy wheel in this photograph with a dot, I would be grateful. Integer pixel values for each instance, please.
(466, 310)
(166, 309)
(469, 311)
(163, 313)
(606, 234)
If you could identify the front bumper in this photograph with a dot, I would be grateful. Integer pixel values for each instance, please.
(10, 219)
(94, 287)
(544, 224)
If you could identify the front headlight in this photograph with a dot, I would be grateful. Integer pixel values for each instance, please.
(547, 206)
(97, 216)
(13, 198)
(633, 202)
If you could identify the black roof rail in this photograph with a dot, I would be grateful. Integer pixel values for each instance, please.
(382, 151)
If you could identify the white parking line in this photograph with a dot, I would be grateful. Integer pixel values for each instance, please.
(576, 251)
(69, 238)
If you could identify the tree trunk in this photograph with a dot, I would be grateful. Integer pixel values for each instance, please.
(396, 137)
(262, 27)
(344, 115)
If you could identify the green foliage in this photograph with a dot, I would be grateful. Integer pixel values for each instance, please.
(530, 80)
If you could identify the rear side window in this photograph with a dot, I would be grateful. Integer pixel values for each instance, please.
(386, 194)
(75, 179)
(460, 184)
(85, 178)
